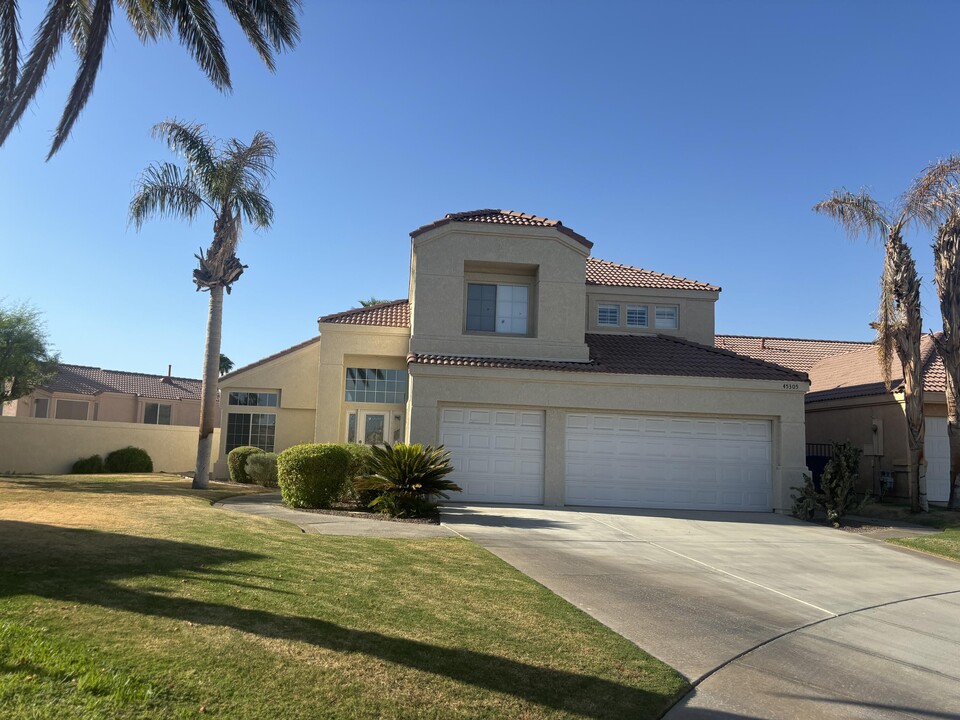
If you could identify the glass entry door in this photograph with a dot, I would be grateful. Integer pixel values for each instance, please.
(374, 427)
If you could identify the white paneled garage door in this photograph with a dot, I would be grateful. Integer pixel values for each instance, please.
(668, 462)
(497, 453)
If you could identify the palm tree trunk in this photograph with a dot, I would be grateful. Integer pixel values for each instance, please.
(917, 464)
(953, 437)
(209, 408)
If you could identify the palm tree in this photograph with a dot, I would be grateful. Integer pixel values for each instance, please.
(899, 322)
(229, 180)
(226, 364)
(935, 194)
(270, 26)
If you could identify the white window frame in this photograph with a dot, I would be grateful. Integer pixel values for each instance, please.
(636, 309)
(509, 311)
(664, 325)
(226, 431)
(159, 405)
(46, 409)
(392, 425)
(608, 307)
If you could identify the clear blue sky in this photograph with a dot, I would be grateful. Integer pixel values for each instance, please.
(686, 137)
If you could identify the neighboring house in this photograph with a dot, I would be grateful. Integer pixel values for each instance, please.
(78, 392)
(848, 401)
(551, 376)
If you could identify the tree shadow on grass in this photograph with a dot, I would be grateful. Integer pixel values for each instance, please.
(84, 566)
(128, 484)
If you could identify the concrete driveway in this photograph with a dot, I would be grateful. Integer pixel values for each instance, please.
(767, 616)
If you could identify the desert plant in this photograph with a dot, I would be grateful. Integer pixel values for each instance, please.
(837, 494)
(88, 465)
(409, 478)
(128, 460)
(312, 474)
(237, 462)
(261, 468)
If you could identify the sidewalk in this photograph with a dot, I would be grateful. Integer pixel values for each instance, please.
(270, 505)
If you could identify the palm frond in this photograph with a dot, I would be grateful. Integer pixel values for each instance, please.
(247, 166)
(243, 14)
(46, 45)
(9, 49)
(86, 73)
(165, 189)
(148, 21)
(255, 207)
(277, 19)
(197, 29)
(857, 213)
(81, 17)
(192, 140)
(935, 192)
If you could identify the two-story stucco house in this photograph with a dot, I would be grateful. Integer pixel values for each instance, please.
(552, 377)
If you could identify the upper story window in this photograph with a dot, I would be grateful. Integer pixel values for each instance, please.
(667, 317)
(637, 316)
(498, 307)
(156, 414)
(376, 386)
(72, 409)
(608, 315)
(41, 407)
(254, 399)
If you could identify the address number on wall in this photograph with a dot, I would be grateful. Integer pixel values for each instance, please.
(791, 386)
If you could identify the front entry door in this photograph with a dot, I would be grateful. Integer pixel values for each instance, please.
(374, 427)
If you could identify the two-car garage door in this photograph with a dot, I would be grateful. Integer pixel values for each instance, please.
(612, 460)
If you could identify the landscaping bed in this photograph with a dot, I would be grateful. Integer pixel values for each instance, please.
(131, 597)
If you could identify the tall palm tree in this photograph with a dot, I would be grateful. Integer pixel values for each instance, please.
(270, 26)
(934, 194)
(226, 364)
(228, 180)
(899, 322)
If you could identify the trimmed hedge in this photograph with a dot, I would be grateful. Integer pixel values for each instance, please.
(313, 474)
(237, 462)
(128, 460)
(88, 466)
(261, 468)
(360, 458)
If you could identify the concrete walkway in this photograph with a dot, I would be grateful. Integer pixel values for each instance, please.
(767, 616)
(270, 505)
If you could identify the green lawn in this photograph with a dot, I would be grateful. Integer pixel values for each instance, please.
(134, 598)
(946, 544)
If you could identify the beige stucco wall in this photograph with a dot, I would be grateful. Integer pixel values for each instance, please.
(346, 346)
(437, 290)
(695, 315)
(432, 386)
(36, 445)
(113, 407)
(853, 420)
(294, 375)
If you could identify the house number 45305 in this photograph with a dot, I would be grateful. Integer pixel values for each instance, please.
(791, 386)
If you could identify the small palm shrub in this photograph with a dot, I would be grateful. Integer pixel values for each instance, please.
(128, 460)
(837, 494)
(408, 478)
(313, 474)
(237, 462)
(262, 469)
(88, 466)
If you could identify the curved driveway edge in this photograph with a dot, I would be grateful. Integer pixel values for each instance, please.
(722, 597)
(270, 505)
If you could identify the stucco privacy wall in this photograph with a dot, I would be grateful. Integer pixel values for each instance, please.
(431, 386)
(114, 407)
(695, 311)
(39, 445)
(438, 291)
(346, 346)
(294, 375)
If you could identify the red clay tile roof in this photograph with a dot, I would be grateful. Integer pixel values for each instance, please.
(794, 353)
(857, 374)
(395, 313)
(637, 355)
(85, 380)
(502, 217)
(604, 272)
(263, 361)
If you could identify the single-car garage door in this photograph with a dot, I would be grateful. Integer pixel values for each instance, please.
(497, 453)
(668, 462)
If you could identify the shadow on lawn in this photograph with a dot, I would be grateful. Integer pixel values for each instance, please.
(149, 484)
(82, 566)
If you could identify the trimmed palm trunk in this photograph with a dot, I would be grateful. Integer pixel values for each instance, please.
(946, 261)
(209, 408)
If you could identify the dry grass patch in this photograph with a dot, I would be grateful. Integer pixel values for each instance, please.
(162, 605)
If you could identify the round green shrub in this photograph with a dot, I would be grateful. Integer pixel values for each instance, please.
(128, 460)
(360, 458)
(237, 462)
(88, 465)
(312, 474)
(262, 469)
